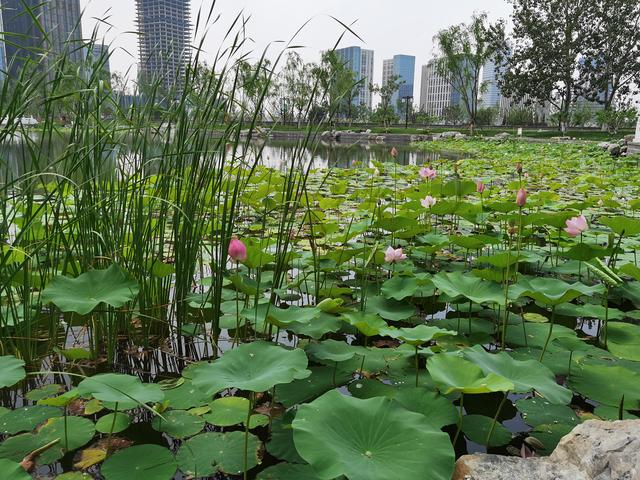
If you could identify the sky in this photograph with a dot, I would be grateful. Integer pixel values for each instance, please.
(388, 27)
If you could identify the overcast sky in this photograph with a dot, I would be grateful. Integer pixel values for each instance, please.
(388, 27)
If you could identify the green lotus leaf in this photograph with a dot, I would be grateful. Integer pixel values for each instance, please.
(207, 453)
(11, 371)
(283, 318)
(178, 424)
(477, 428)
(368, 324)
(418, 335)
(227, 411)
(455, 374)
(81, 295)
(26, 418)
(151, 462)
(537, 411)
(321, 380)
(612, 414)
(605, 384)
(526, 375)
(623, 340)
(186, 396)
(125, 390)
(288, 471)
(551, 291)
(478, 290)
(113, 423)
(256, 367)
(73, 432)
(390, 309)
(536, 334)
(46, 391)
(550, 435)
(318, 327)
(622, 225)
(14, 471)
(281, 445)
(332, 350)
(370, 440)
(18, 447)
(399, 287)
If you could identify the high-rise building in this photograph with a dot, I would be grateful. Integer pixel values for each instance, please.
(404, 67)
(361, 62)
(56, 30)
(436, 91)
(491, 96)
(164, 41)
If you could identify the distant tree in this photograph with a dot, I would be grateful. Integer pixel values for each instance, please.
(610, 67)
(622, 115)
(453, 115)
(541, 64)
(581, 116)
(339, 83)
(520, 116)
(424, 118)
(487, 116)
(255, 81)
(385, 113)
(464, 50)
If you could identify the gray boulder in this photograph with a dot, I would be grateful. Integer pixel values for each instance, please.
(614, 150)
(594, 450)
(449, 134)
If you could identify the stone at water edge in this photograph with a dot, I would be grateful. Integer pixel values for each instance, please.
(594, 450)
(498, 467)
(602, 450)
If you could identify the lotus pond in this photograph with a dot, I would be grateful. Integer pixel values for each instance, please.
(213, 318)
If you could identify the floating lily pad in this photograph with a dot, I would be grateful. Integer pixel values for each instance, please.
(281, 445)
(13, 470)
(623, 340)
(26, 418)
(227, 411)
(370, 440)
(288, 471)
(256, 367)
(185, 396)
(538, 411)
(73, 432)
(178, 423)
(605, 384)
(477, 428)
(113, 423)
(151, 462)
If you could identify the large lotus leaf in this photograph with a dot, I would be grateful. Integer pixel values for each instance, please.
(455, 374)
(418, 335)
(318, 327)
(228, 411)
(622, 225)
(525, 375)
(332, 350)
(81, 295)
(18, 447)
(283, 318)
(536, 334)
(399, 287)
(550, 435)
(113, 423)
(477, 428)
(605, 384)
(390, 309)
(26, 418)
(206, 453)
(288, 471)
(623, 340)
(11, 371)
(537, 411)
(73, 432)
(281, 445)
(148, 462)
(612, 414)
(478, 290)
(368, 324)
(551, 291)
(14, 471)
(437, 410)
(125, 390)
(186, 396)
(370, 440)
(178, 424)
(306, 389)
(256, 367)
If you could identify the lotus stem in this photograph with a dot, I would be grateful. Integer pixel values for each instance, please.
(246, 437)
(459, 428)
(546, 343)
(495, 418)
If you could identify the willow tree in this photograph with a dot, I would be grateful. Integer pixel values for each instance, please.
(463, 50)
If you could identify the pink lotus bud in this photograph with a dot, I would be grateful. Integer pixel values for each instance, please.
(576, 225)
(237, 250)
(480, 187)
(521, 198)
(428, 201)
(394, 152)
(394, 255)
(428, 173)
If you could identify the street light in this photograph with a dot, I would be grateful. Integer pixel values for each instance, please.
(406, 119)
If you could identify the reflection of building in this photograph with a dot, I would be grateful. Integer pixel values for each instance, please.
(403, 66)
(57, 31)
(436, 91)
(164, 40)
(361, 62)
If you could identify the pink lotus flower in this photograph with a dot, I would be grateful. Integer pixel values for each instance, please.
(480, 187)
(521, 198)
(428, 201)
(394, 152)
(576, 225)
(428, 173)
(237, 250)
(394, 255)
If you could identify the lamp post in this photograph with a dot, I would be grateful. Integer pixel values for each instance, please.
(406, 119)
